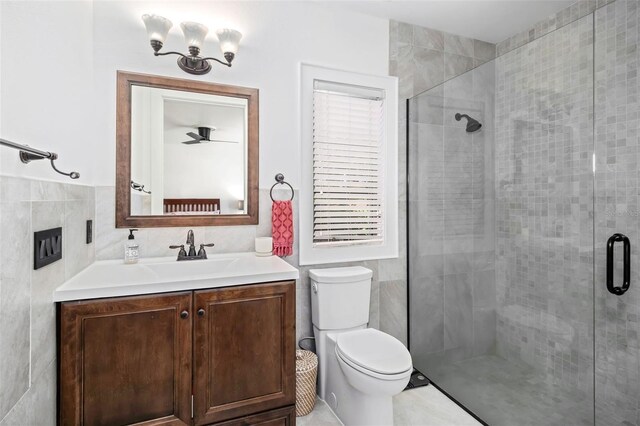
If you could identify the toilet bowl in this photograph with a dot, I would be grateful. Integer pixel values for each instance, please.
(360, 368)
(373, 362)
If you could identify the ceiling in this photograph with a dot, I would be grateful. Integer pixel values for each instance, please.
(182, 117)
(487, 20)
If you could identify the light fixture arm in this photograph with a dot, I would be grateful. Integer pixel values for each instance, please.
(227, 63)
(169, 53)
(192, 63)
(217, 60)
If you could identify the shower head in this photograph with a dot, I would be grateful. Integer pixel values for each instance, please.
(473, 125)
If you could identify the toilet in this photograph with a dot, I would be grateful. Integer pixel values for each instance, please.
(360, 368)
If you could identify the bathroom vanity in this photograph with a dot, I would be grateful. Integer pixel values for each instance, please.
(178, 343)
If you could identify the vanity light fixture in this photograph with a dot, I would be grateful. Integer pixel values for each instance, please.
(194, 34)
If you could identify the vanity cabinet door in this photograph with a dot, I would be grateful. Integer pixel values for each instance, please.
(126, 360)
(244, 350)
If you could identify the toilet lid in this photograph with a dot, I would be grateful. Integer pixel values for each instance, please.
(374, 350)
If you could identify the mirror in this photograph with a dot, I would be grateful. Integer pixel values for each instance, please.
(187, 153)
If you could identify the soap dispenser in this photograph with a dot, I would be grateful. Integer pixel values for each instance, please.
(131, 249)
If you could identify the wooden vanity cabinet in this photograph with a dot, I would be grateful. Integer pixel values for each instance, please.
(219, 356)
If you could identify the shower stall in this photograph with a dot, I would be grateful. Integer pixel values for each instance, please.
(509, 223)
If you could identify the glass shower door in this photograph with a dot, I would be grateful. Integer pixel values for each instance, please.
(501, 226)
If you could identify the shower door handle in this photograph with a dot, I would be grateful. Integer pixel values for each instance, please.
(626, 255)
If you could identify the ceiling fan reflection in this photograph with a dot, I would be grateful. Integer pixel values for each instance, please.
(204, 136)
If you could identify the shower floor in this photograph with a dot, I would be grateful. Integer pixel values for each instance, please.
(503, 393)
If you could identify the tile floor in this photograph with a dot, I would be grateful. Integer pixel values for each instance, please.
(424, 406)
(502, 393)
(505, 393)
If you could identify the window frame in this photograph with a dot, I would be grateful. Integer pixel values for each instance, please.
(310, 255)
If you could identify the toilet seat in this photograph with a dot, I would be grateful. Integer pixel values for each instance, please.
(374, 353)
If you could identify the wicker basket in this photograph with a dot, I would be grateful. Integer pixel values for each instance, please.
(306, 375)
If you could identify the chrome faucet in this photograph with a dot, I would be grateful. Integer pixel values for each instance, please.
(183, 255)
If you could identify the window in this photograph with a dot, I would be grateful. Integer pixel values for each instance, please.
(349, 201)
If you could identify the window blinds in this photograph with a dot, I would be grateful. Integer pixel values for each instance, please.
(348, 138)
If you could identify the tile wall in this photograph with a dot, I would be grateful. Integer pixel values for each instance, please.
(577, 10)
(544, 205)
(27, 311)
(421, 58)
(545, 212)
(451, 199)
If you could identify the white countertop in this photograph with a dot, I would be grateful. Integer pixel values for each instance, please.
(113, 278)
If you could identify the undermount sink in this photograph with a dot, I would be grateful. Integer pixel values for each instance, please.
(190, 267)
(112, 278)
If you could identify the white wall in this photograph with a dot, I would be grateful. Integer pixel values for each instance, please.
(63, 98)
(277, 36)
(47, 80)
(208, 170)
(196, 171)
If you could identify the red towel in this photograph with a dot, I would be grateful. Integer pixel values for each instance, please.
(282, 228)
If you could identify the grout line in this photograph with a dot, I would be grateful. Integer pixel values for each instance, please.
(593, 216)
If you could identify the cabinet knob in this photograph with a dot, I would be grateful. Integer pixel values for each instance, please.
(200, 312)
(184, 314)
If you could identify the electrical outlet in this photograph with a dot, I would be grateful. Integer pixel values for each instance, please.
(47, 247)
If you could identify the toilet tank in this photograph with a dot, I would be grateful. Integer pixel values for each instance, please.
(340, 297)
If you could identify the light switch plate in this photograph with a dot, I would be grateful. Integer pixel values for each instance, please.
(89, 231)
(47, 247)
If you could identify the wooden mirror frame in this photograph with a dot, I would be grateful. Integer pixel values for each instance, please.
(124, 219)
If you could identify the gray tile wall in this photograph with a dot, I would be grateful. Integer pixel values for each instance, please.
(577, 10)
(451, 198)
(544, 206)
(544, 210)
(27, 311)
(617, 209)
(422, 59)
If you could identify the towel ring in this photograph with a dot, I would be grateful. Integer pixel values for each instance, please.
(280, 180)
